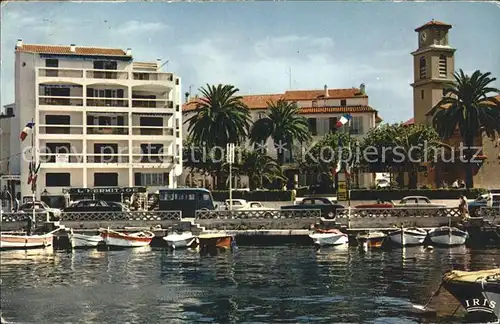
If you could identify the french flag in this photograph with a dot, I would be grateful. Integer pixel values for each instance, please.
(343, 120)
(27, 129)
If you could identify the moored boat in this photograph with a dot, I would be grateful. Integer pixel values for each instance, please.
(448, 236)
(117, 239)
(12, 240)
(477, 291)
(215, 241)
(371, 239)
(408, 236)
(180, 240)
(329, 237)
(83, 241)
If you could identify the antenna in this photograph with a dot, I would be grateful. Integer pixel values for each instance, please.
(290, 77)
(166, 62)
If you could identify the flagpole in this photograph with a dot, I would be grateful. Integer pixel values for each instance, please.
(33, 165)
(348, 174)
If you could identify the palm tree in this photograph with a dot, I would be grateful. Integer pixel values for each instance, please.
(283, 124)
(466, 105)
(258, 167)
(220, 118)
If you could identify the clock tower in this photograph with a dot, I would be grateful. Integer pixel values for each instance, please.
(433, 68)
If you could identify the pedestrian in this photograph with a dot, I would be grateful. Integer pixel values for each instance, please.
(463, 207)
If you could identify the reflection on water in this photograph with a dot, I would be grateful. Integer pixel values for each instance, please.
(251, 284)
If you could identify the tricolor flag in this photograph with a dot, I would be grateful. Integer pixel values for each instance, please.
(343, 120)
(33, 173)
(27, 129)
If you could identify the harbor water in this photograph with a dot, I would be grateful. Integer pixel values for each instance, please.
(286, 284)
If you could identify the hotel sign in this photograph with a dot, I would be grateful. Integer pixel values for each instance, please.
(111, 191)
(342, 191)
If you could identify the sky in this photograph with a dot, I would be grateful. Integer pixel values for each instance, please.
(254, 45)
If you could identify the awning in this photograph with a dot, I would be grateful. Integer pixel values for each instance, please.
(152, 114)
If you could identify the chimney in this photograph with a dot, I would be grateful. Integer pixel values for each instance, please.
(19, 43)
(72, 48)
(187, 96)
(326, 91)
(362, 88)
(128, 52)
(158, 63)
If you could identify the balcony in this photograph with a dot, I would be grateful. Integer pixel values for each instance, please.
(107, 74)
(152, 103)
(61, 129)
(153, 76)
(153, 158)
(61, 158)
(152, 130)
(107, 130)
(107, 102)
(60, 73)
(60, 101)
(107, 158)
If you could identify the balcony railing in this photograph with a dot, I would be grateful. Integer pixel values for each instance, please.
(107, 130)
(61, 129)
(107, 158)
(103, 74)
(152, 130)
(152, 158)
(153, 76)
(152, 103)
(61, 158)
(60, 101)
(107, 102)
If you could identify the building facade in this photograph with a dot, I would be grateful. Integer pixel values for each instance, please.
(101, 119)
(434, 65)
(322, 108)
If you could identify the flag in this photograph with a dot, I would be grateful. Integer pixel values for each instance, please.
(343, 120)
(33, 173)
(339, 162)
(26, 130)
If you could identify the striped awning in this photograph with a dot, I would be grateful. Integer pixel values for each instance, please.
(152, 114)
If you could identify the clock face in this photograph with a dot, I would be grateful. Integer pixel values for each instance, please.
(423, 36)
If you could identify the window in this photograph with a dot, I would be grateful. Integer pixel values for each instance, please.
(315, 103)
(152, 153)
(105, 179)
(323, 126)
(151, 179)
(54, 149)
(151, 121)
(332, 124)
(343, 102)
(421, 94)
(442, 66)
(107, 153)
(105, 65)
(57, 179)
(423, 68)
(57, 120)
(357, 125)
(51, 63)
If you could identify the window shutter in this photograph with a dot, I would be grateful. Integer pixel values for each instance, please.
(137, 179)
(165, 179)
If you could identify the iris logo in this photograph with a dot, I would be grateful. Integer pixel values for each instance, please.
(478, 305)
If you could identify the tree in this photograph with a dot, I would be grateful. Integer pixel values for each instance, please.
(283, 124)
(258, 167)
(220, 118)
(399, 148)
(466, 106)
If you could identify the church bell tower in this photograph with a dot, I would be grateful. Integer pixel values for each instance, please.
(433, 68)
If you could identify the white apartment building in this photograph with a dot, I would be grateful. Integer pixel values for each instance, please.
(102, 120)
(322, 108)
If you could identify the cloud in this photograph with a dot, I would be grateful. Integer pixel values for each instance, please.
(135, 26)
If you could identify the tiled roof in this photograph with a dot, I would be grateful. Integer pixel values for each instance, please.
(336, 109)
(378, 119)
(433, 23)
(66, 50)
(252, 101)
(320, 94)
(409, 122)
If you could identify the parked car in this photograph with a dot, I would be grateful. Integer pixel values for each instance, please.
(383, 183)
(40, 207)
(417, 201)
(119, 205)
(485, 200)
(92, 206)
(328, 208)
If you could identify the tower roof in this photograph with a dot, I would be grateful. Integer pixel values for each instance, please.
(434, 23)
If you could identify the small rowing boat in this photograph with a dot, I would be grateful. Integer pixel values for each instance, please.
(408, 236)
(215, 241)
(12, 240)
(329, 237)
(180, 240)
(83, 241)
(118, 239)
(448, 236)
(371, 239)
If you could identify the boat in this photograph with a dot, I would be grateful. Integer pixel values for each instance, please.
(371, 239)
(408, 236)
(118, 239)
(329, 237)
(477, 291)
(180, 240)
(83, 241)
(448, 236)
(20, 240)
(215, 241)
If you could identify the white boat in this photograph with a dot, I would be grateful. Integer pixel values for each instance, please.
(118, 239)
(329, 237)
(12, 240)
(408, 236)
(82, 240)
(373, 239)
(448, 236)
(180, 240)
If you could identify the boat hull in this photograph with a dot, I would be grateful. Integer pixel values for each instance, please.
(84, 241)
(114, 239)
(409, 237)
(371, 240)
(480, 298)
(8, 241)
(222, 242)
(447, 236)
(176, 241)
(328, 239)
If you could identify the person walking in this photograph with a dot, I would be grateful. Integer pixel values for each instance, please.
(463, 207)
